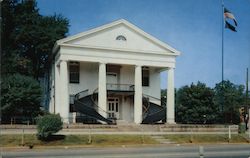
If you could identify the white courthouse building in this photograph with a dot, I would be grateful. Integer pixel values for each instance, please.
(112, 72)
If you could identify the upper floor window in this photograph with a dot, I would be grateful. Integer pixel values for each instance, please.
(121, 38)
(74, 68)
(145, 76)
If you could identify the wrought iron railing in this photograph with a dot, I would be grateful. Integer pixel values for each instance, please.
(146, 104)
(120, 87)
(94, 98)
(152, 99)
(81, 94)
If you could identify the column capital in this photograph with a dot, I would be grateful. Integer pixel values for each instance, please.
(60, 61)
(100, 63)
(170, 68)
(64, 60)
(138, 65)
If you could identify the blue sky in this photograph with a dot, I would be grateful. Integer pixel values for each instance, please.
(193, 27)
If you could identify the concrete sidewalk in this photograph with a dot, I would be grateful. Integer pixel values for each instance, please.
(101, 131)
(157, 129)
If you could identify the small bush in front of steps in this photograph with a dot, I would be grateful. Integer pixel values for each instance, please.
(47, 125)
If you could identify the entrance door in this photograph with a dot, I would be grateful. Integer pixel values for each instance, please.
(113, 108)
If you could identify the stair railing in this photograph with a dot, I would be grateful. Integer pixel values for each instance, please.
(77, 101)
(120, 87)
(154, 100)
(81, 94)
(146, 104)
(146, 101)
(93, 98)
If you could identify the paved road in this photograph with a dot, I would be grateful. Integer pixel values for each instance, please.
(210, 151)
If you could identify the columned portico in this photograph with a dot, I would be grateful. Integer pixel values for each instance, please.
(134, 59)
(102, 90)
(138, 95)
(170, 97)
(64, 91)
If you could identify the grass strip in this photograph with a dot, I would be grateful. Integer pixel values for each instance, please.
(206, 138)
(60, 140)
(114, 140)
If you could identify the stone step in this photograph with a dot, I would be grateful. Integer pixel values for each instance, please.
(123, 122)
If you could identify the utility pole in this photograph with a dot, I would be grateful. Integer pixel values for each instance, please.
(247, 89)
(247, 109)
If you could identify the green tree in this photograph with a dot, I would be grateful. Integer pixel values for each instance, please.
(229, 97)
(20, 97)
(47, 125)
(27, 41)
(194, 104)
(28, 37)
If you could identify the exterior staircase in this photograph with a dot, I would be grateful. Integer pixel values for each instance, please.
(86, 104)
(153, 112)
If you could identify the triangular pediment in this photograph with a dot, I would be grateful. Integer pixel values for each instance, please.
(120, 35)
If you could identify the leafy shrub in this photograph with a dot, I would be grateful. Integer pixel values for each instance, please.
(229, 97)
(194, 104)
(47, 125)
(242, 128)
(20, 97)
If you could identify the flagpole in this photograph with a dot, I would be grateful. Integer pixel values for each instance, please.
(222, 44)
(222, 60)
(225, 14)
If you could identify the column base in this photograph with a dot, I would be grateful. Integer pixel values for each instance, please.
(65, 120)
(170, 121)
(137, 122)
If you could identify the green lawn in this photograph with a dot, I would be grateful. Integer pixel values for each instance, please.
(114, 140)
(209, 138)
(97, 140)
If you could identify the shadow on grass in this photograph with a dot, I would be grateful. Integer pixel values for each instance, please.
(54, 138)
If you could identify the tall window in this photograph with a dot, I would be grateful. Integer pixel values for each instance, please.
(74, 68)
(145, 76)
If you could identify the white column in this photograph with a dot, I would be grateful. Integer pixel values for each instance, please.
(57, 89)
(64, 95)
(138, 95)
(170, 97)
(52, 89)
(102, 90)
